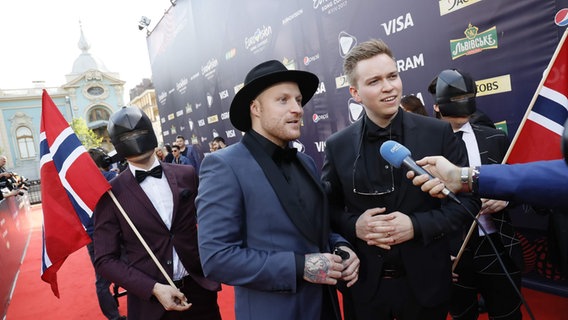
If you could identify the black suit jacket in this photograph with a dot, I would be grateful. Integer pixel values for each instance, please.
(139, 273)
(493, 145)
(425, 257)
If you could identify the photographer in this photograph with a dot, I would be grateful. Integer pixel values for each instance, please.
(10, 180)
(5, 176)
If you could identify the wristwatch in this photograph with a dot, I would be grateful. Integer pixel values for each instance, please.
(474, 179)
(465, 179)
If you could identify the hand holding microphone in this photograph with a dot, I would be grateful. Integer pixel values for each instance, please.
(396, 154)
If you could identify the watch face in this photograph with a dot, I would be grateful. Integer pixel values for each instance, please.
(95, 91)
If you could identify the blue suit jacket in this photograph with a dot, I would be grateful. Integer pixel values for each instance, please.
(541, 183)
(250, 232)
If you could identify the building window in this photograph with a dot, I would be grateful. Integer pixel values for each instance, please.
(98, 114)
(26, 145)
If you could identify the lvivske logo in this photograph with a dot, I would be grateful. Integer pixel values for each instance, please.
(474, 42)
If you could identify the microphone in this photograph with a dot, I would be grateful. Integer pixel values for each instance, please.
(396, 154)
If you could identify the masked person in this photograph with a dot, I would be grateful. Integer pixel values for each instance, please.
(159, 199)
(479, 269)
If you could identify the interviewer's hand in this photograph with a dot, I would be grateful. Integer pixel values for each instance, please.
(489, 206)
(171, 298)
(447, 175)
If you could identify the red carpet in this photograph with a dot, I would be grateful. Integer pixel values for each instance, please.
(33, 299)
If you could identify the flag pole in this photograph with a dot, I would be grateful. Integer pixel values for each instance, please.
(131, 224)
(536, 94)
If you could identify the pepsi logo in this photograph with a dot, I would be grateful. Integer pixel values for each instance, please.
(561, 17)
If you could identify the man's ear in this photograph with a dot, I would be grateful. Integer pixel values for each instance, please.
(355, 94)
(254, 108)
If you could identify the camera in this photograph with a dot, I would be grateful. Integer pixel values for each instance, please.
(15, 182)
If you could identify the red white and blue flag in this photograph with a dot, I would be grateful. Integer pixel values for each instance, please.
(71, 186)
(539, 135)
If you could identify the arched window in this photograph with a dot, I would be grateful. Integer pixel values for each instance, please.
(25, 141)
(98, 113)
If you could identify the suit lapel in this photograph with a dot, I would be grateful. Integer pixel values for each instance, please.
(287, 199)
(172, 181)
(409, 128)
(482, 144)
(322, 223)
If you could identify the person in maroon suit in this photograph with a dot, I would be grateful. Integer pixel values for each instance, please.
(159, 199)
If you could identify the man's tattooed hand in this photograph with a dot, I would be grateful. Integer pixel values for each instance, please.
(322, 268)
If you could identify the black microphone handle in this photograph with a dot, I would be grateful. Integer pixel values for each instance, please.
(411, 165)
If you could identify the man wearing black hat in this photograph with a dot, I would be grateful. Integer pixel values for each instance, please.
(264, 227)
(159, 200)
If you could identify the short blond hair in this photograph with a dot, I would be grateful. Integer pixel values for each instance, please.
(363, 51)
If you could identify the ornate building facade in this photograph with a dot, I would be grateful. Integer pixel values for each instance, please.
(91, 92)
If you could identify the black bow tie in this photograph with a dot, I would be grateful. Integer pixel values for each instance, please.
(284, 155)
(380, 135)
(155, 172)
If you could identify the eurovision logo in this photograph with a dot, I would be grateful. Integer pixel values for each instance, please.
(474, 42)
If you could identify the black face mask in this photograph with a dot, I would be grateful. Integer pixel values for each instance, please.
(131, 132)
(463, 108)
(135, 144)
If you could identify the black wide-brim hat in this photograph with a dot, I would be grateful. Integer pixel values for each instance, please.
(259, 79)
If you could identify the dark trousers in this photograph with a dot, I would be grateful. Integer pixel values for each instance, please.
(204, 303)
(394, 300)
(480, 272)
(107, 303)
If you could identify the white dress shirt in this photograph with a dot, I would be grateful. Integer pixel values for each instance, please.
(475, 160)
(160, 194)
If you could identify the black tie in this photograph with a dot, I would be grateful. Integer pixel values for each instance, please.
(461, 143)
(155, 172)
(284, 155)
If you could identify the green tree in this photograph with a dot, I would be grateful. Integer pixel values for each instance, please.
(88, 137)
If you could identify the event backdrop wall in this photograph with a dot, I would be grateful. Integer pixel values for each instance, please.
(201, 51)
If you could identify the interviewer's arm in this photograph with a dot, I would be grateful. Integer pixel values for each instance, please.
(541, 183)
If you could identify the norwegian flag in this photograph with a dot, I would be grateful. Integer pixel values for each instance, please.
(540, 132)
(71, 186)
